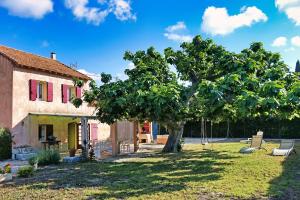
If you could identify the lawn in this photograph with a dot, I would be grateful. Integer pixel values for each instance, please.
(220, 173)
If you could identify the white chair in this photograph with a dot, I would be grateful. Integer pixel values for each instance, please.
(286, 147)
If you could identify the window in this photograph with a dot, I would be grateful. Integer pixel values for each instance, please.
(42, 90)
(45, 131)
(71, 93)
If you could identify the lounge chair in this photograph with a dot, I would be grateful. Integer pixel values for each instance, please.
(260, 133)
(256, 143)
(286, 147)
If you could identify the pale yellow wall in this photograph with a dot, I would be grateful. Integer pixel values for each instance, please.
(60, 129)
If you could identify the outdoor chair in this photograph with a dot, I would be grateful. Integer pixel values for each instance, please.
(259, 133)
(286, 147)
(256, 143)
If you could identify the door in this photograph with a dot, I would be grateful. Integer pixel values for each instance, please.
(72, 132)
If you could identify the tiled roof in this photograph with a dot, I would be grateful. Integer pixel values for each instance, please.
(36, 62)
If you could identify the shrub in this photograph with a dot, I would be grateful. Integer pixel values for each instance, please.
(48, 157)
(32, 161)
(7, 169)
(26, 171)
(5, 144)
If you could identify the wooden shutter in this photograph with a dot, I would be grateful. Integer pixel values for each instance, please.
(147, 127)
(32, 90)
(78, 92)
(49, 92)
(94, 130)
(64, 90)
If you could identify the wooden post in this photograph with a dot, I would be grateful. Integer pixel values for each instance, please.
(135, 139)
(84, 137)
(114, 139)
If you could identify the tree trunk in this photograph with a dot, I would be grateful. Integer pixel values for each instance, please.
(175, 134)
(227, 136)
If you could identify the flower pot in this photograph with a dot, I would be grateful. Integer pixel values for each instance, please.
(72, 152)
(5, 177)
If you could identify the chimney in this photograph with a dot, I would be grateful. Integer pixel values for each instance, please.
(53, 56)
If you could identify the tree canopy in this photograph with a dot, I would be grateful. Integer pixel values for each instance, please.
(200, 80)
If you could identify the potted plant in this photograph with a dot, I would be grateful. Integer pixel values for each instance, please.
(5, 173)
(72, 152)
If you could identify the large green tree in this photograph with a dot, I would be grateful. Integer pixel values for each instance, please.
(207, 82)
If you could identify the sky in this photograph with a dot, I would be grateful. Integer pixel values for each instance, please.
(94, 34)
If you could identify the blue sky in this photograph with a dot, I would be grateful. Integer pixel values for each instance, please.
(94, 34)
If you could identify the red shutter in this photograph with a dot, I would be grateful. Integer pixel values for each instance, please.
(49, 92)
(64, 90)
(32, 90)
(94, 131)
(78, 92)
(147, 127)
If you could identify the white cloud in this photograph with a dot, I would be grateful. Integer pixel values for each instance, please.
(291, 8)
(174, 33)
(36, 9)
(95, 15)
(122, 10)
(94, 76)
(178, 37)
(279, 42)
(295, 41)
(130, 65)
(217, 21)
(178, 26)
(90, 14)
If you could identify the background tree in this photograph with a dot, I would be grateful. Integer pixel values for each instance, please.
(208, 82)
(297, 68)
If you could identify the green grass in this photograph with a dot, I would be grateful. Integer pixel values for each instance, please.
(220, 173)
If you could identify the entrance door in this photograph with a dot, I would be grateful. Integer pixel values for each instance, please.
(72, 132)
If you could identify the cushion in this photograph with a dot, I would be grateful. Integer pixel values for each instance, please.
(247, 150)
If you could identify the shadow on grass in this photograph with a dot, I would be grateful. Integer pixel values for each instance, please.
(159, 173)
(287, 185)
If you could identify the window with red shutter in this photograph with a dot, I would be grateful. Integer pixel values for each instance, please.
(32, 90)
(64, 89)
(49, 92)
(78, 92)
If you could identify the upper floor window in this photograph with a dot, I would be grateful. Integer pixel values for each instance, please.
(41, 90)
(70, 92)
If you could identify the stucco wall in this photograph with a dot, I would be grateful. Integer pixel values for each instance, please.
(24, 132)
(22, 105)
(6, 71)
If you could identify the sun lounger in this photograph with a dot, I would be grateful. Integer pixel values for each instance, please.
(286, 147)
(256, 143)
